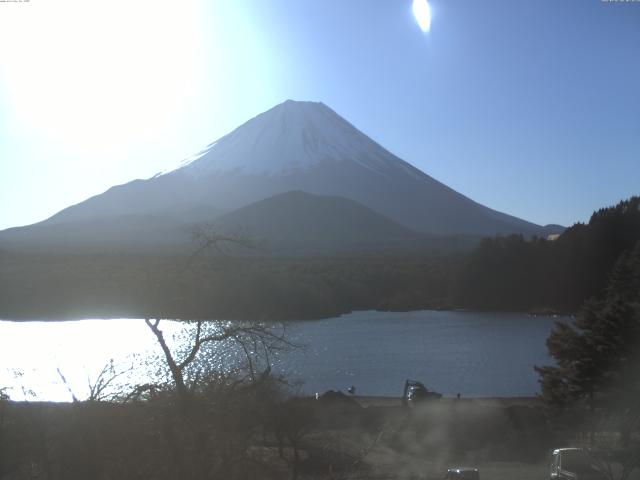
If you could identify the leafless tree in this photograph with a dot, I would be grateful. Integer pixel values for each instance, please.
(100, 389)
(66, 384)
(203, 438)
(615, 463)
(210, 241)
(255, 339)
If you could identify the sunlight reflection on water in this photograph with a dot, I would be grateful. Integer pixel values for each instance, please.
(32, 353)
(478, 354)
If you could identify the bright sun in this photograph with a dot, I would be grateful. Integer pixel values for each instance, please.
(422, 12)
(98, 74)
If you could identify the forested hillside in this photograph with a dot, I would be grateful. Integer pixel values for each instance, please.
(513, 273)
(124, 286)
(502, 273)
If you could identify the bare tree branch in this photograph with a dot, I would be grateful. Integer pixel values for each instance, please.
(210, 240)
(66, 384)
(105, 378)
(243, 334)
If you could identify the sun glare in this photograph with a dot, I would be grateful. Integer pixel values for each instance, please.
(422, 12)
(99, 74)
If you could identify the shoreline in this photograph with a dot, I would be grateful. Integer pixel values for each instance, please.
(66, 318)
(374, 401)
(385, 401)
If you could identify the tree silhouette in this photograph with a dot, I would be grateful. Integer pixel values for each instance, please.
(598, 356)
(515, 273)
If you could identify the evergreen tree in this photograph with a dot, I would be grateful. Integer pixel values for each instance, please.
(514, 273)
(598, 356)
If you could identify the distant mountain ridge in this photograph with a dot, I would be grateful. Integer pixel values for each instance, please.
(295, 146)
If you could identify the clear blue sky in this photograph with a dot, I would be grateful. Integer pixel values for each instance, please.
(529, 107)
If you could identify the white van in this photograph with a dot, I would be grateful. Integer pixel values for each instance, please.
(571, 464)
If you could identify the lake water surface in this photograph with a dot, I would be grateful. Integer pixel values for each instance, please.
(475, 354)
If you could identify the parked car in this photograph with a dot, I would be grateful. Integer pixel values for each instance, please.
(571, 464)
(462, 473)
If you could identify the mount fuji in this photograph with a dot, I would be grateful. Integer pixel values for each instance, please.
(295, 146)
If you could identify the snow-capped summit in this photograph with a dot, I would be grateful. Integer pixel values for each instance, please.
(290, 137)
(297, 146)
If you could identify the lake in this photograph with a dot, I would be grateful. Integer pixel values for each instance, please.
(471, 353)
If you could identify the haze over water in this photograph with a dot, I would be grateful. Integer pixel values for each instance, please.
(475, 354)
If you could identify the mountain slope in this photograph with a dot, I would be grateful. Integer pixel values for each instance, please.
(302, 146)
(118, 233)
